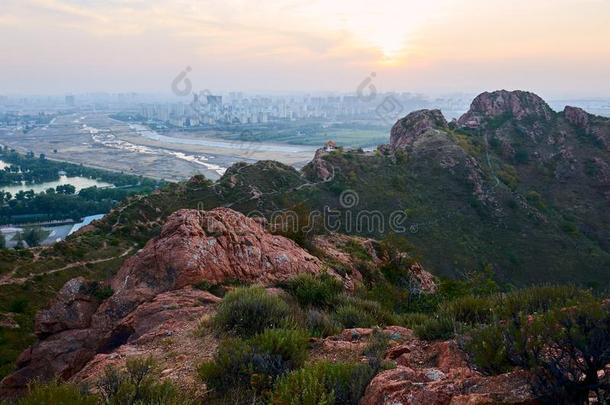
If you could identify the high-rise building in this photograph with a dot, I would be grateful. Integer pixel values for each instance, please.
(214, 100)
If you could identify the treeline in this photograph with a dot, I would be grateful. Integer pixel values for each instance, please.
(31, 169)
(63, 203)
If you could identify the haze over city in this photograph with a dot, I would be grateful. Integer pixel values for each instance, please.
(557, 48)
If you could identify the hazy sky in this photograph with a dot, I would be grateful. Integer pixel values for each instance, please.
(553, 47)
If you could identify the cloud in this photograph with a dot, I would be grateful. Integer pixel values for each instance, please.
(283, 43)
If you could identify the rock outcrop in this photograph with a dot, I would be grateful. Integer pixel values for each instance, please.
(431, 373)
(596, 127)
(320, 169)
(436, 373)
(514, 105)
(193, 246)
(72, 308)
(408, 129)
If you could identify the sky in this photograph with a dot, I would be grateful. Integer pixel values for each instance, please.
(557, 48)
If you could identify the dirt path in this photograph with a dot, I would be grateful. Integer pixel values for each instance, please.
(9, 278)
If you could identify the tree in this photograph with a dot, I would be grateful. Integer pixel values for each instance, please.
(66, 189)
(33, 236)
(567, 350)
(2, 241)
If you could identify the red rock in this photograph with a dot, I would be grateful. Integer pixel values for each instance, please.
(72, 309)
(333, 246)
(408, 129)
(322, 170)
(214, 245)
(438, 373)
(512, 104)
(151, 295)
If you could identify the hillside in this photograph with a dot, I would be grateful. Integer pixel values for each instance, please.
(510, 195)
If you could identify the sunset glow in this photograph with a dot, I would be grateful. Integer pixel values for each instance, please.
(287, 45)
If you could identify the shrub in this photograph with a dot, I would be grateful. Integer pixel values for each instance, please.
(356, 250)
(320, 324)
(34, 236)
(568, 348)
(565, 348)
(100, 291)
(488, 349)
(412, 320)
(350, 316)
(230, 366)
(540, 299)
(361, 313)
(18, 305)
(323, 383)
(469, 309)
(138, 385)
(247, 311)
(253, 365)
(439, 327)
(391, 297)
(322, 291)
(376, 348)
(290, 345)
(535, 199)
(55, 393)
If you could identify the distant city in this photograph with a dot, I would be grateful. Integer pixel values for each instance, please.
(236, 108)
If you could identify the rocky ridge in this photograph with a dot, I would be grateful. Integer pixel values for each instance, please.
(193, 246)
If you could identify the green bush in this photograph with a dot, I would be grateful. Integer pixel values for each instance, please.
(356, 250)
(540, 299)
(355, 312)
(320, 324)
(323, 383)
(18, 305)
(253, 365)
(373, 309)
(248, 311)
(321, 292)
(55, 393)
(391, 297)
(350, 316)
(100, 291)
(488, 349)
(439, 327)
(230, 366)
(413, 319)
(376, 348)
(138, 385)
(564, 348)
(469, 309)
(290, 345)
